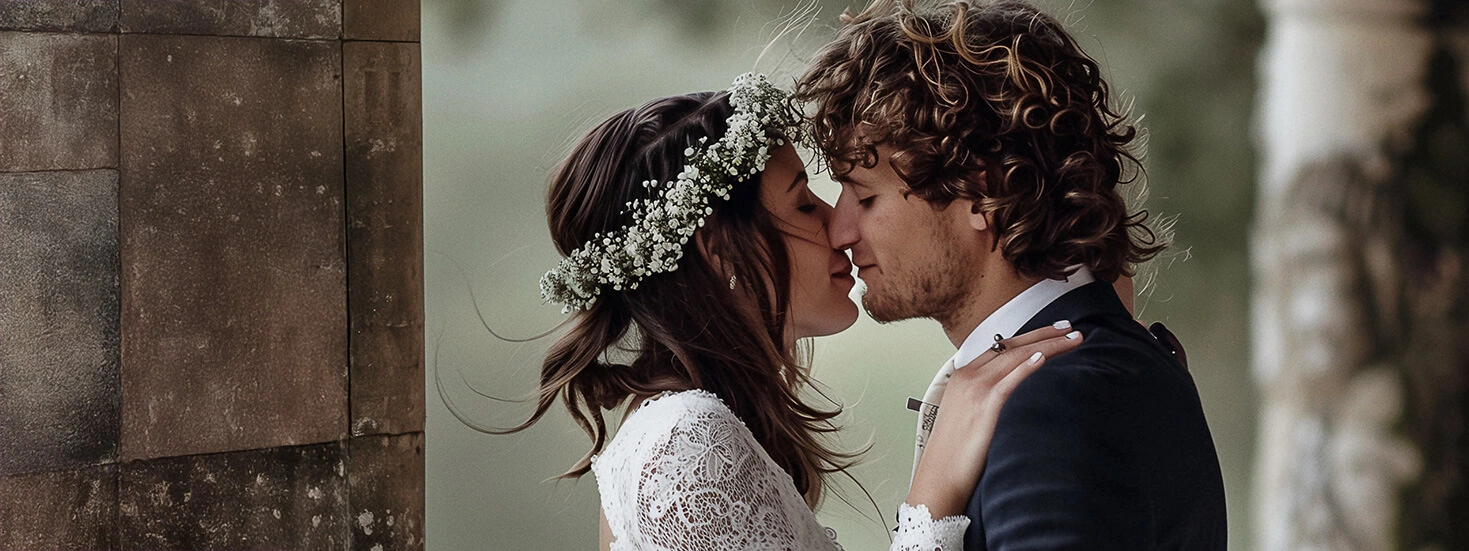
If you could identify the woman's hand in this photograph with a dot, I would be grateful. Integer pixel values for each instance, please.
(955, 454)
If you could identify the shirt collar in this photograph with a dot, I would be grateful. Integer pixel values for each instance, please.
(1011, 316)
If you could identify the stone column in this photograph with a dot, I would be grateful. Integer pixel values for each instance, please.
(1359, 252)
(211, 275)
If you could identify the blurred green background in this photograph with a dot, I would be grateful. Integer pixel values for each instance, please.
(509, 84)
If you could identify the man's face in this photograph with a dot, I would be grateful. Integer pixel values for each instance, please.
(916, 260)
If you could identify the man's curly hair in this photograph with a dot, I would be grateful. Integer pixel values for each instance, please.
(993, 103)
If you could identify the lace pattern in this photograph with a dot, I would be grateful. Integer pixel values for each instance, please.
(918, 531)
(685, 473)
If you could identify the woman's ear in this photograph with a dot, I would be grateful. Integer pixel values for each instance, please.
(706, 250)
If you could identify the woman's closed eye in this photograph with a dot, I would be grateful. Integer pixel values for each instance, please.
(807, 208)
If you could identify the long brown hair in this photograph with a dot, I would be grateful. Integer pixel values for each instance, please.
(683, 329)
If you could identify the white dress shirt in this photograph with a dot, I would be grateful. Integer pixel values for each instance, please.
(1005, 322)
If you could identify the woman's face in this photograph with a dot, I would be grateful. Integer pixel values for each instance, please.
(821, 276)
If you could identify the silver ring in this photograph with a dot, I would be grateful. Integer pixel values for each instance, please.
(999, 346)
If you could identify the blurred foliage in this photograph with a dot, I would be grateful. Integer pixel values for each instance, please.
(1434, 181)
(1436, 169)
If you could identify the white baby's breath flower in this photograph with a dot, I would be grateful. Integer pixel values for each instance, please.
(663, 223)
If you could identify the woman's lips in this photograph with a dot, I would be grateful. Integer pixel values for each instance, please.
(840, 266)
(846, 280)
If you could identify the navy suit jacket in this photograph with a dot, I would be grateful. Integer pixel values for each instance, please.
(1104, 447)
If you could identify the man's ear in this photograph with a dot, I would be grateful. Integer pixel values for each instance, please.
(977, 217)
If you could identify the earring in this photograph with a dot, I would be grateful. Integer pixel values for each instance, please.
(731, 282)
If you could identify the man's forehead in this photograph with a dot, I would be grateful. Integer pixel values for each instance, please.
(855, 173)
(849, 179)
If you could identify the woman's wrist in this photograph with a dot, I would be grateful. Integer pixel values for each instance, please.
(943, 498)
(943, 487)
(938, 506)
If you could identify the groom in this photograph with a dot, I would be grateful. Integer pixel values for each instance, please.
(980, 162)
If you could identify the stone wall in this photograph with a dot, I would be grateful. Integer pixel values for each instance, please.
(211, 275)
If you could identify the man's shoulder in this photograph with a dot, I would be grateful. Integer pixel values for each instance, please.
(1115, 352)
(1114, 374)
(1112, 401)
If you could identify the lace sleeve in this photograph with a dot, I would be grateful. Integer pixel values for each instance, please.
(709, 485)
(917, 530)
(686, 474)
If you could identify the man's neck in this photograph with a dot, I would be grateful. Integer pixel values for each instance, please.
(988, 293)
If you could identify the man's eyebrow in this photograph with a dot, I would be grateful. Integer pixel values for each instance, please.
(800, 177)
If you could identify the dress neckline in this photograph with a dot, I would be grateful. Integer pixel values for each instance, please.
(669, 393)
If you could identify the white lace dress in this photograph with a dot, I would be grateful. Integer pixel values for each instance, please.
(683, 473)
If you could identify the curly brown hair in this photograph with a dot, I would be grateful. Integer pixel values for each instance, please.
(993, 103)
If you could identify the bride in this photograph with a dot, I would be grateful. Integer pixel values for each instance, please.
(696, 261)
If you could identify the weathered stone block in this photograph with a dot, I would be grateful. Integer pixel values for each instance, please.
(94, 16)
(58, 100)
(59, 390)
(380, 20)
(234, 294)
(270, 18)
(278, 498)
(385, 474)
(75, 509)
(384, 166)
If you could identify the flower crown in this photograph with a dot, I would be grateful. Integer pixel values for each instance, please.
(663, 223)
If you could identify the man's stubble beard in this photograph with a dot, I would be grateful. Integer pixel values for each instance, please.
(933, 291)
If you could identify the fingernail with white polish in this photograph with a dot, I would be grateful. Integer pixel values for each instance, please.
(1063, 324)
(1034, 358)
(1073, 335)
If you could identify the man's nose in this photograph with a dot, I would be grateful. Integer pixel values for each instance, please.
(842, 228)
